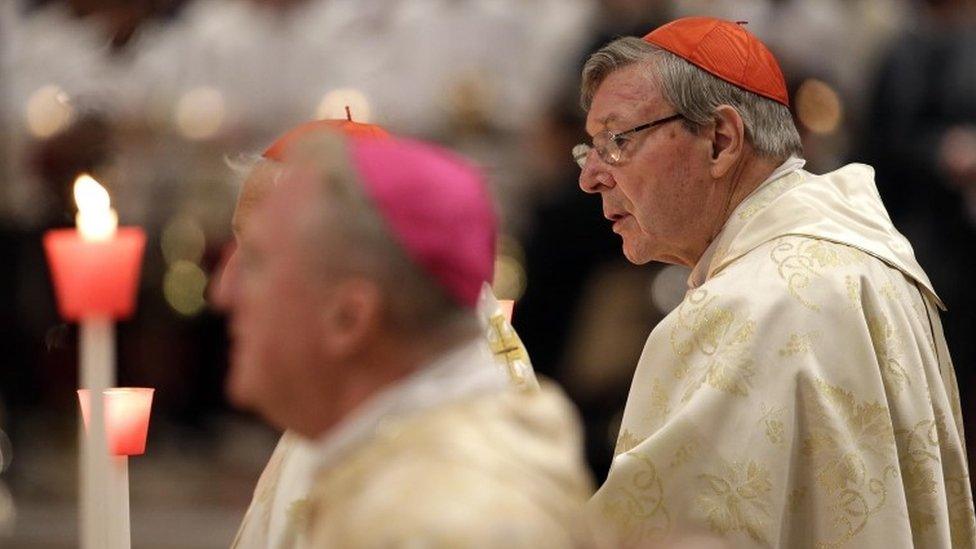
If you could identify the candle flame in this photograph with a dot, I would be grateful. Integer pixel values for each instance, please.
(90, 196)
(96, 219)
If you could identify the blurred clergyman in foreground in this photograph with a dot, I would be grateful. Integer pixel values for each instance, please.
(802, 394)
(352, 296)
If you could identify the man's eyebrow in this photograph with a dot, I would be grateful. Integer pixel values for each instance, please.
(611, 117)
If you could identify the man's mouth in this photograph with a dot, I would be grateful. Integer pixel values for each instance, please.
(616, 219)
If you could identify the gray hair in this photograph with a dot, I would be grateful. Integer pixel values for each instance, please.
(353, 239)
(241, 165)
(696, 93)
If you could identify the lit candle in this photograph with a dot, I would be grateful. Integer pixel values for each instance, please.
(95, 270)
(96, 220)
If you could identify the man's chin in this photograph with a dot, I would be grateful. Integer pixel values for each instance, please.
(237, 396)
(238, 392)
(635, 254)
(245, 400)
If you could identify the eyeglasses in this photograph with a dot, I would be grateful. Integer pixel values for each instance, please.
(610, 145)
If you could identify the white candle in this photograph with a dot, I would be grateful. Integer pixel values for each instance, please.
(104, 524)
(97, 350)
(120, 536)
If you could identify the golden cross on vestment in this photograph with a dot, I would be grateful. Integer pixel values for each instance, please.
(504, 342)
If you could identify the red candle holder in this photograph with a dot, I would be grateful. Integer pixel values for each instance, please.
(95, 278)
(127, 411)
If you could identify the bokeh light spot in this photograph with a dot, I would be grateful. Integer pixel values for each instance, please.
(818, 107)
(200, 113)
(333, 105)
(183, 287)
(49, 111)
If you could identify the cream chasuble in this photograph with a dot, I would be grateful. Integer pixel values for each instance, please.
(458, 453)
(801, 395)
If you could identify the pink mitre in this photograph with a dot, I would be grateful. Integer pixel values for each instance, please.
(437, 208)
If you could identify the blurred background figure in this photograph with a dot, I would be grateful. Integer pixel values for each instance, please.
(151, 96)
(921, 137)
(353, 300)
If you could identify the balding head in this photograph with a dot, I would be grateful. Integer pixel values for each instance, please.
(326, 307)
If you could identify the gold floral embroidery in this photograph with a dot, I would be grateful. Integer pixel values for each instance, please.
(723, 341)
(890, 291)
(850, 446)
(919, 454)
(919, 482)
(921, 442)
(701, 326)
(298, 513)
(853, 291)
(773, 424)
(886, 346)
(796, 499)
(684, 453)
(658, 407)
(941, 429)
(800, 260)
(737, 500)
(657, 413)
(767, 195)
(798, 344)
(637, 506)
(626, 442)
(918, 451)
(962, 521)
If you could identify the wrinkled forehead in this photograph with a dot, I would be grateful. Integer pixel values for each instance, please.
(281, 212)
(625, 97)
(294, 188)
(312, 158)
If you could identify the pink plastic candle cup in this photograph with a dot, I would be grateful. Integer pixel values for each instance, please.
(127, 411)
(95, 278)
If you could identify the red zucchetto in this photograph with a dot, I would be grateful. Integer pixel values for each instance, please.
(726, 50)
(346, 127)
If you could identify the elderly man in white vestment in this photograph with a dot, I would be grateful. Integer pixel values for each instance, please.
(802, 394)
(352, 295)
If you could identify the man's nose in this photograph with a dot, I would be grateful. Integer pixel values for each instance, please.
(222, 288)
(594, 178)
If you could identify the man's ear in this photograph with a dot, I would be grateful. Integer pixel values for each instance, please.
(728, 139)
(353, 314)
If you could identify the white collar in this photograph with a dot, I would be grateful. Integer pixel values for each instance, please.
(700, 272)
(468, 369)
(463, 371)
